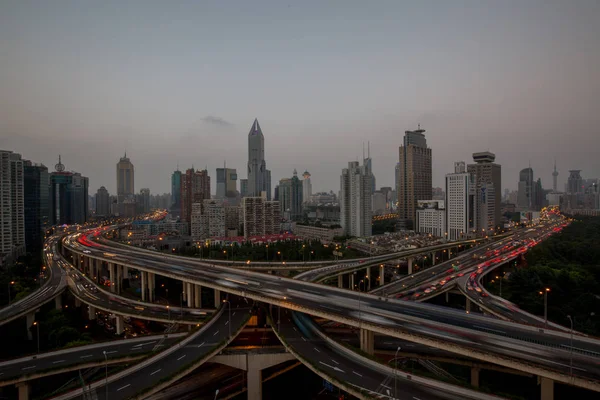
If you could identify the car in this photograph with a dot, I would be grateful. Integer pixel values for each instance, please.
(87, 252)
(484, 294)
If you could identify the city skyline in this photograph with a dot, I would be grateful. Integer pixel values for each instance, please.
(485, 77)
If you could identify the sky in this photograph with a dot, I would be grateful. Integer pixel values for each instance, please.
(180, 83)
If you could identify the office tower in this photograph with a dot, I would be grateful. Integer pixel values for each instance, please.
(306, 187)
(554, 179)
(368, 162)
(125, 181)
(208, 220)
(195, 187)
(12, 207)
(575, 182)
(355, 200)
(489, 173)
(259, 178)
(102, 202)
(431, 218)
(243, 187)
(176, 192)
(525, 189)
(460, 203)
(486, 207)
(259, 216)
(36, 183)
(68, 196)
(378, 202)
(227, 184)
(414, 175)
(290, 197)
(539, 200)
(144, 203)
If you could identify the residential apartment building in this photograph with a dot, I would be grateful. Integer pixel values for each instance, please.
(355, 200)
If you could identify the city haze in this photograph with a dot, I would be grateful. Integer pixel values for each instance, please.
(182, 83)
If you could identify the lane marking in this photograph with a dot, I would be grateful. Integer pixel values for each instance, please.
(317, 350)
(110, 352)
(356, 373)
(416, 398)
(143, 344)
(295, 329)
(200, 345)
(487, 329)
(158, 370)
(23, 369)
(121, 388)
(233, 314)
(59, 361)
(303, 338)
(86, 356)
(215, 334)
(182, 357)
(226, 322)
(335, 361)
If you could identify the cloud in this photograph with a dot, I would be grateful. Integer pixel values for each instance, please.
(211, 119)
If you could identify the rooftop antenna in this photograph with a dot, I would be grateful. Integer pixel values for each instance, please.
(418, 127)
(369, 149)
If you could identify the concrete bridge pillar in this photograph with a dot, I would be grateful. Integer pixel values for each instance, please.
(118, 324)
(111, 277)
(382, 274)
(352, 285)
(254, 377)
(410, 265)
(341, 281)
(58, 302)
(217, 298)
(475, 376)
(367, 341)
(468, 306)
(151, 283)
(547, 387)
(24, 390)
(433, 258)
(91, 313)
(143, 285)
(29, 318)
(368, 278)
(189, 292)
(77, 303)
(197, 296)
(447, 297)
(125, 272)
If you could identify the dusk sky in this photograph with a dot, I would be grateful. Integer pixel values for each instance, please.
(182, 81)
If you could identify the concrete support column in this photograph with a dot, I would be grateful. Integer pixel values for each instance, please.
(151, 284)
(29, 322)
(547, 387)
(77, 303)
(143, 284)
(125, 272)
(58, 302)
(217, 298)
(111, 277)
(118, 270)
(433, 258)
(119, 324)
(447, 297)
(91, 313)
(254, 378)
(475, 376)
(382, 274)
(24, 390)
(341, 281)
(197, 296)
(352, 282)
(468, 306)
(367, 341)
(410, 265)
(368, 277)
(189, 292)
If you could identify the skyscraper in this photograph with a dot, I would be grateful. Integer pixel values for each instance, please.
(176, 192)
(195, 187)
(290, 197)
(554, 179)
(125, 181)
(226, 183)
(488, 178)
(460, 202)
(36, 183)
(368, 162)
(144, 203)
(525, 189)
(102, 202)
(306, 187)
(259, 217)
(414, 175)
(575, 182)
(68, 196)
(12, 206)
(259, 177)
(355, 200)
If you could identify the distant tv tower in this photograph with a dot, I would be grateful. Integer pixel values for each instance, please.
(554, 177)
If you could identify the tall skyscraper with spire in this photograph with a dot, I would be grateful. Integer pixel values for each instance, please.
(259, 177)
(125, 183)
(554, 179)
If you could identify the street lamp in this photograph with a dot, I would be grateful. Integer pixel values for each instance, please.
(571, 365)
(9, 285)
(500, 279)
(37, 325)
(169, 313)
(182, 295)
(229, 304)
(545, 293)
(106, 373)
(396, 373)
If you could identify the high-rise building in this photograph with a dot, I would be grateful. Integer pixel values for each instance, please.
(431, 217)
(227, 184)
(414, 175)
(290, 197)
(208, 220)
(487, 173)
(259, 177)
(176, 192)
(243, 187)
(125, 181)
(102, 202)
(555, 179)
(36, 183)
(259, 216)
(486, 207)
(12, 206)
(68, 196)
(144, 203)
(195, 187)
(575, 182)
(526, 190)
(378, 202)
(460, 203)
(355, 200)
(306, 187)
(368, 162)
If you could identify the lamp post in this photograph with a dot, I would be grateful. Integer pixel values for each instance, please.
(182, 294)
(267, 246)
(545, 293)
(500, 279)
(106, 374)
(37, 325)
(229, 323)
(9, 285)
(571, 364)
(168, 313)
(396, 373)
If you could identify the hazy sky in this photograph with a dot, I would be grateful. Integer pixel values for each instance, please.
(182, 81)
